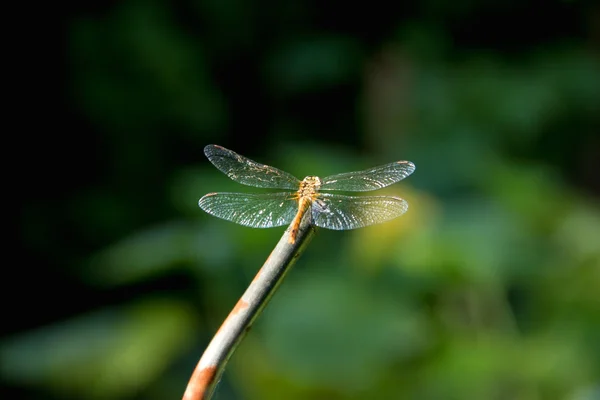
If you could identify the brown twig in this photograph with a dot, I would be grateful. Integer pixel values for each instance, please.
(207, 374)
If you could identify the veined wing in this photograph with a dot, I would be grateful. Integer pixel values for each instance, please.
(253, 210)
(334, 211)
(370, 179)
(248, 172)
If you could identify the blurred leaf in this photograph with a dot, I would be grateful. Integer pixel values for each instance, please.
(156, 250)
(479, 368)
(108, 354)
(330, 333)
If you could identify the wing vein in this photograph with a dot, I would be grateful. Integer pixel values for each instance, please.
(248, 172)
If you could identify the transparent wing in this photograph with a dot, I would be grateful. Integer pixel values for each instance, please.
(333, 211)
(253, 210)
(248, 172)
(370, 179)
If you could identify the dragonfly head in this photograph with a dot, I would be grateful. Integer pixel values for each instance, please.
(310, 184)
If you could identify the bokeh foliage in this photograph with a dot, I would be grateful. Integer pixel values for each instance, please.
(488, 288)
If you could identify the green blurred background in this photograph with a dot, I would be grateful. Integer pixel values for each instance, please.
(488, 288)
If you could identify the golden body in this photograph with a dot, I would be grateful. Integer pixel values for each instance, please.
(306, 194)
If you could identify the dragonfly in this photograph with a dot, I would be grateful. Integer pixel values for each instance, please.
(327, 210)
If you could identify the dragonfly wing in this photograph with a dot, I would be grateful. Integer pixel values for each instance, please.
(253, 210)
(248, 172)
(370, 179)
(333, 211)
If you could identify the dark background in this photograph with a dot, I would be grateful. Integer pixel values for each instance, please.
(486, 289)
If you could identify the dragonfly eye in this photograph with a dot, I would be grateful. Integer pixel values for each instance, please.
(313, 181)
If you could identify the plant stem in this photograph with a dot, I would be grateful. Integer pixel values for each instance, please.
(209, 370)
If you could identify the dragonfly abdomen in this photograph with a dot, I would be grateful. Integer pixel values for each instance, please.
(303, 205)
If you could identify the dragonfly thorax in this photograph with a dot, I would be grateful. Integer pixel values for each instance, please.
(309, 186)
